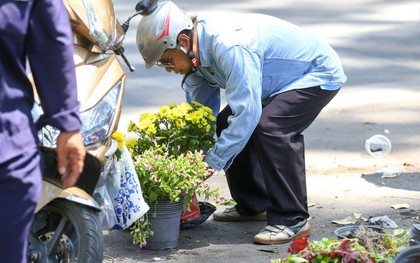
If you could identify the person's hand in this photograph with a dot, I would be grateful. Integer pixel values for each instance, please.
(70, 157)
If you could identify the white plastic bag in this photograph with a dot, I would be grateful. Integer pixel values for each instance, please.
(107, 215)
(124, 189)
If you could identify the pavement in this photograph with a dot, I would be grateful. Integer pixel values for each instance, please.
(377, 41)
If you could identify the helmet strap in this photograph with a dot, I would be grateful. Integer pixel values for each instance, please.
(186, 76)
(191, 56)
(190, 53)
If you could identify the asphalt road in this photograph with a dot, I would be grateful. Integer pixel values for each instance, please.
(378, 42)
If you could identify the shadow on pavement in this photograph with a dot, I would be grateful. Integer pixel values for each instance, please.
(404, 181)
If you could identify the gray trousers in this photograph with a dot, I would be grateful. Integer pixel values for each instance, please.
(269, 174)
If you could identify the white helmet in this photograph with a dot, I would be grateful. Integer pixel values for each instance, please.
(159, 31)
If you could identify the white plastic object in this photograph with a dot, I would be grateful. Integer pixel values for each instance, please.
(378, 146)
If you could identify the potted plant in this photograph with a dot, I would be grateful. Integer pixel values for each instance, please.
(181, 128)
(168, 154)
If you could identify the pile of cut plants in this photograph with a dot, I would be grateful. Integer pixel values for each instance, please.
(364, 245)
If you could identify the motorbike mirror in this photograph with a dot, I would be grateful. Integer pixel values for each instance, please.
(146, 7)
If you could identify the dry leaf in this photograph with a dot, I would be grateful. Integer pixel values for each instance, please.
(400, 206)
(352, 219)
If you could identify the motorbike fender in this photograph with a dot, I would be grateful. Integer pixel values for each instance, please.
(74, 194)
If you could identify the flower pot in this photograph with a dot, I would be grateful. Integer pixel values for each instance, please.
(349, 231)
(410, 255)
(415, 235)
(165, 218)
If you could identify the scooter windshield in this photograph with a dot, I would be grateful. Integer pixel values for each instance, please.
(102, 23)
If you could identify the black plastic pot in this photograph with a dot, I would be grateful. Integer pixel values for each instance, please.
(349, 231)
(410, 255)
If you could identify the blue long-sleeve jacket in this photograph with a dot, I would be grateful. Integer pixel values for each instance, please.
(254, 57)
(37, 30)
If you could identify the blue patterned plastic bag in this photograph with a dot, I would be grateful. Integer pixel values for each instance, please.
(124, 189)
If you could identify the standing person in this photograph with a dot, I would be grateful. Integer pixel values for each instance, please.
(40, 31)
(277, 78)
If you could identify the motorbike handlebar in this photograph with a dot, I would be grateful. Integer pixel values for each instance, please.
(120, 52)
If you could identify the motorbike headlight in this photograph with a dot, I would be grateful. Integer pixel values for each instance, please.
(96, 121)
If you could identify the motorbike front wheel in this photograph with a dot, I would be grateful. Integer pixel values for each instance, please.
(64, 231)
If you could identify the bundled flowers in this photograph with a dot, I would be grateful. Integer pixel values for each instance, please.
(180, 128)
(367, 246)
(168, 156)
(165, 176)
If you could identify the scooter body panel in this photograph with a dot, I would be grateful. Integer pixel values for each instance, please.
(98, 26)
(51, 192)
(96, 75)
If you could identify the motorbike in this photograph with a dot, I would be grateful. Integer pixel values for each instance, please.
(66, 226)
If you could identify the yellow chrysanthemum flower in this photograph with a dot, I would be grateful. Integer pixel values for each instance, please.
(197, 104)
(144, 125)
(148, 116)
(180, 123)
(131, 127)
(163, 111)
(197, 116)
(151, 130)
(119, 138)
(187, 106)
(189, 117)
(130, 143)
(207, 110)
(212, 118)
(204, 121)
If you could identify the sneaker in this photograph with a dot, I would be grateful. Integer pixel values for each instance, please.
(279, 234)
(231, 215)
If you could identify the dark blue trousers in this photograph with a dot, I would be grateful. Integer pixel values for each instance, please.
(269, 173)
(20, 186)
